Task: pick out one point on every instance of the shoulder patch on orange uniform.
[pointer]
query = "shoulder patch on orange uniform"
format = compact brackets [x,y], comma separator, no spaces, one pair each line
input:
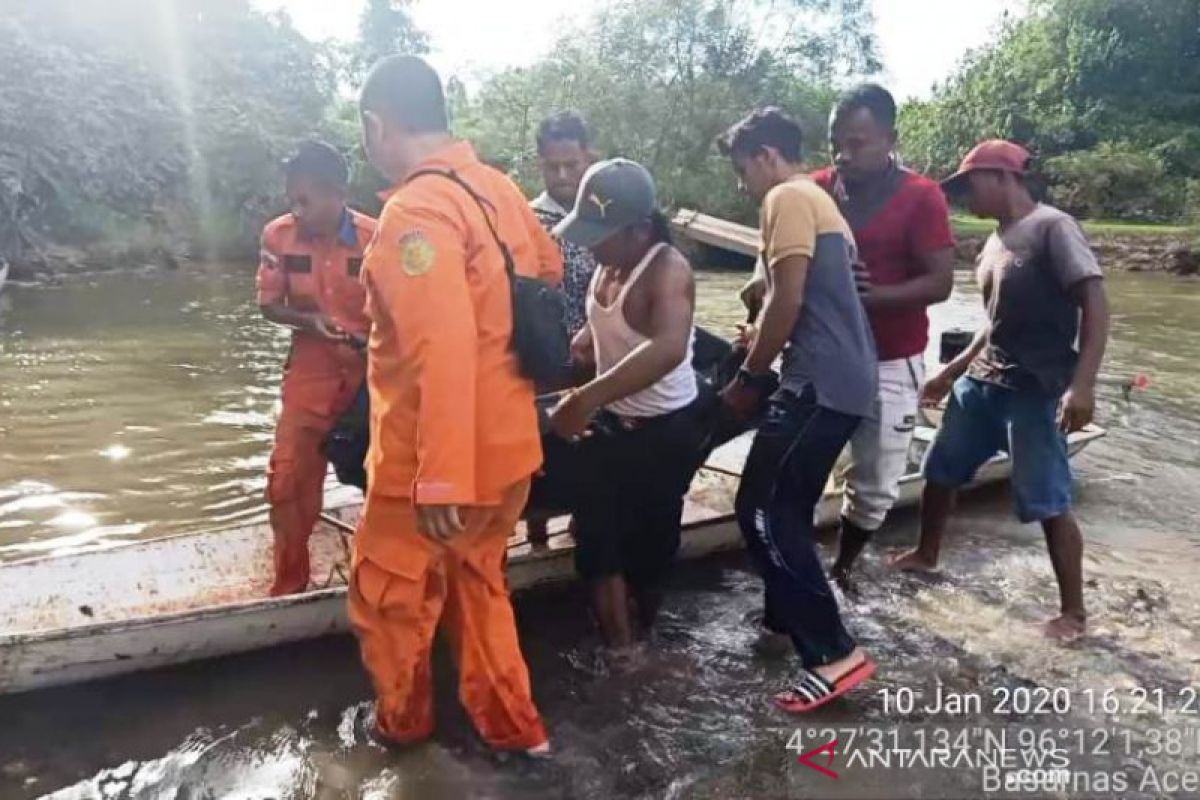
[417,253]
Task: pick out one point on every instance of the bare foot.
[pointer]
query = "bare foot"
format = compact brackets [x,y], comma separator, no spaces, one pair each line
[914,561]
[1066,628]
[627,659]
[831,672]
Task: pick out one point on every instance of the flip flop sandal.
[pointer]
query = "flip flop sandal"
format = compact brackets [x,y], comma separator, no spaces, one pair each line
[812,691]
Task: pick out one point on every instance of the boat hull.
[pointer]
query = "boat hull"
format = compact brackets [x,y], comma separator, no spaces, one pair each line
[93,615]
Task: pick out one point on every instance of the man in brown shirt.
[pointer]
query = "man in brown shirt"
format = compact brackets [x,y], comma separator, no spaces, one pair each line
[1022,385]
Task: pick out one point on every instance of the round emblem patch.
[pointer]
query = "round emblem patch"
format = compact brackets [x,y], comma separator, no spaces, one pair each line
[416,254]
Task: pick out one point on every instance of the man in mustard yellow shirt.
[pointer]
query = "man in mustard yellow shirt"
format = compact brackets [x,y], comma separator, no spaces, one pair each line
[813,317]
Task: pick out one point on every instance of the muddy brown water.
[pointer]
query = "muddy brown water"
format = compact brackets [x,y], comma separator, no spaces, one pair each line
[141,405]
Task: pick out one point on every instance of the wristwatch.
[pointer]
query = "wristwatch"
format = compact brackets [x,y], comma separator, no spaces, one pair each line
[758,383]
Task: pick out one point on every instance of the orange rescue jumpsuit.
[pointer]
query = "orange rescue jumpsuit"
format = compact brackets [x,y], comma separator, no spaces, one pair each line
[452,423]
[320,379]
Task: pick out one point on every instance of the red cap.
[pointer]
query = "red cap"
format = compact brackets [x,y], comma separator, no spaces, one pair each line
[994,154]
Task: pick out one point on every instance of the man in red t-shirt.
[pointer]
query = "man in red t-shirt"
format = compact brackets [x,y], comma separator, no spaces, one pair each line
[901,223]
[902,226]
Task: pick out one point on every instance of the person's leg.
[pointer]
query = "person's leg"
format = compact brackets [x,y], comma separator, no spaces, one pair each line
[1065,543]
[681,445]
[313,470]
[972,431]
[937,503]
[878,460]
[788,466]
[295,489]
[494,684]
[760,473]
[650,552]
[395,617]
[808,606]
[1041,481]
[611,602]
[600,526]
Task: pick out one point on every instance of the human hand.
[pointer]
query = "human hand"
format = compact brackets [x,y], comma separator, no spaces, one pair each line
[937,387]
[862,279]
[326,328]
[571,417]
[439,521]
[741,399]
[746,334]
[1077,409]
[753,294]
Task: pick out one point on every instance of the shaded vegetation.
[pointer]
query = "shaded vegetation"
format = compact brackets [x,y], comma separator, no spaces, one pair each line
[1105,92]
[134,132]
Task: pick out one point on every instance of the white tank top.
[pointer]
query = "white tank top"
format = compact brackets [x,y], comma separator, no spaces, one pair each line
[614,338]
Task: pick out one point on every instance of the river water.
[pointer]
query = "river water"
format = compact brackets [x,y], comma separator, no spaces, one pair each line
[141,405]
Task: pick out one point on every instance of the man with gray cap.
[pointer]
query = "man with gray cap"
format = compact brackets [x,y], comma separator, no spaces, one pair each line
[644,399]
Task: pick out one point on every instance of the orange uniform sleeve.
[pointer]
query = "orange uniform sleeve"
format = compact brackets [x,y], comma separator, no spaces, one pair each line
[271,280]
[428,302]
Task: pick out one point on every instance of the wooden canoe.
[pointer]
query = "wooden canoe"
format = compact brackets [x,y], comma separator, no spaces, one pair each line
[90,615]
[716,232]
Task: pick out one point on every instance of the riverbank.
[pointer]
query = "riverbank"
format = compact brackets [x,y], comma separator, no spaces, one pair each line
[1120,246]
[132,247]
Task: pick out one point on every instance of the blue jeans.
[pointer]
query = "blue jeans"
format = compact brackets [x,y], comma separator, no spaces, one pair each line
[793,453]
[983,419]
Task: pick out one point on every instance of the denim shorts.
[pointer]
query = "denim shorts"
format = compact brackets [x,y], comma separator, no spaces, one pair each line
[983,419]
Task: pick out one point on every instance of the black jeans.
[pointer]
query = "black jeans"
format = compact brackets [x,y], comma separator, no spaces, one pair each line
[625,487]
[793,453]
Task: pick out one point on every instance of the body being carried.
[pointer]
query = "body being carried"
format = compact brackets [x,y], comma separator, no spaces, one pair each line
[627,443]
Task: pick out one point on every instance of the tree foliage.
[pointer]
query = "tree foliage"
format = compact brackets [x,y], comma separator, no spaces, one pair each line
[168,120]
[385,28]
[1111,78]
[659,80]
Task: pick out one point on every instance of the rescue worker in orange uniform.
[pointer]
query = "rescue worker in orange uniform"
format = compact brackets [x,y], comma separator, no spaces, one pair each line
[308,280]
[454,435]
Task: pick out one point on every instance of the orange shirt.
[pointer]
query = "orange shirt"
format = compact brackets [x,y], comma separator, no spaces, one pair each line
[452,419]
[318,275]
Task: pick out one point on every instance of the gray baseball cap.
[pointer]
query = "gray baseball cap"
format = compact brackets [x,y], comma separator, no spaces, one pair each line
[613,195]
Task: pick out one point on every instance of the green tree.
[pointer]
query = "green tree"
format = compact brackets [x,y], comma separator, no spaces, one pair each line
[1071,76]
[385,28]
[166,123]
[659,80]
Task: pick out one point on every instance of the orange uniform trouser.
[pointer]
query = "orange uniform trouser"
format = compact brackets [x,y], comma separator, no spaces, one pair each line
[296,491]
[395,612]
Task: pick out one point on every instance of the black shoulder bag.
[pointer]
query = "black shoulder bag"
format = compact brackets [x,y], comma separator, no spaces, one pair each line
[539,338]
[539,334]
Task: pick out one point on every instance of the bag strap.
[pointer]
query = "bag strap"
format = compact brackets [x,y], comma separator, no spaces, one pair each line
[484,204]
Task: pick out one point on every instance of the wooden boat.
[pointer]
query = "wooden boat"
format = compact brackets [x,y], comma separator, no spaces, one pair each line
[90,615]
[716,232]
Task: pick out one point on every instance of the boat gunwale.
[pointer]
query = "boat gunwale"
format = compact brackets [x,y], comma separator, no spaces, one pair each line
[259,604]
[66,633]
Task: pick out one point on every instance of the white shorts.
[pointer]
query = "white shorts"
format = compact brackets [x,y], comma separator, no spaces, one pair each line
[879,449]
